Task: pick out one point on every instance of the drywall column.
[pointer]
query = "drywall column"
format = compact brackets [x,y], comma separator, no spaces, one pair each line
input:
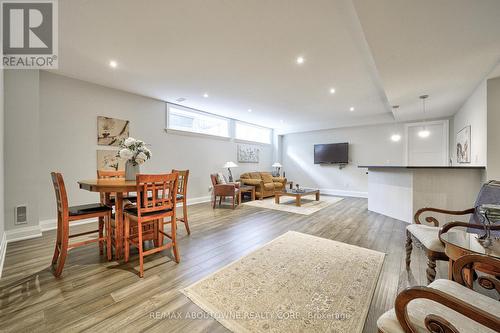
[22,147]
[3,242]
[493,143]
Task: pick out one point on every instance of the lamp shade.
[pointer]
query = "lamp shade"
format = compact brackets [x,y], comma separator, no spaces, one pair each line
[230,164]
[276,165]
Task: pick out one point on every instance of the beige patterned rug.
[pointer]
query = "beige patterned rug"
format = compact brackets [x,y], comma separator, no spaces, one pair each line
[287,204]
[295,283]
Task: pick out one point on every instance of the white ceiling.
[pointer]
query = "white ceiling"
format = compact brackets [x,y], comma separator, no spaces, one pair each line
[375,53]
[441,48]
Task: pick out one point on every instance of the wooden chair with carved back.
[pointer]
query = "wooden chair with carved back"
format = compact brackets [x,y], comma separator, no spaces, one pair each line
[449,306]
[67,214]
[182,196]
[156,200]
[109,199]
[428,235]
[223,190]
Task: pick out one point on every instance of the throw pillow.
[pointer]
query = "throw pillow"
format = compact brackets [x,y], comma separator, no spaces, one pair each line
[221,179]
[266,177]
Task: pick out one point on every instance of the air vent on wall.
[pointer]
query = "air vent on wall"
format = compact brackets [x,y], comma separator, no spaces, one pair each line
[21,214]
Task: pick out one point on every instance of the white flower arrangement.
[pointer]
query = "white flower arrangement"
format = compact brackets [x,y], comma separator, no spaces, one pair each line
[134,151]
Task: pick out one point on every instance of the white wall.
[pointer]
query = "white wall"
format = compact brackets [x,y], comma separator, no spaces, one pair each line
[473,113]
[368,145]
[493,153]
[68,126]
[21,145]
[3,243]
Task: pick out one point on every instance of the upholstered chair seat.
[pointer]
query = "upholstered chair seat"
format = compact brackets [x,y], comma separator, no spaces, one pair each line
[427,236]
[418,309]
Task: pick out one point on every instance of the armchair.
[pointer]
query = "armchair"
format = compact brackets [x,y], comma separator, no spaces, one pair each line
[428,235]
[224,190]
[447,306]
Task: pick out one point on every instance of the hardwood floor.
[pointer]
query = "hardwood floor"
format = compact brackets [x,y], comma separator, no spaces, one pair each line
[96,295]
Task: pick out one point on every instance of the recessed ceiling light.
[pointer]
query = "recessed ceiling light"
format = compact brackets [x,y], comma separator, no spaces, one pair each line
[332,90]
[351,108]
[249,110]
[205,95]
[300,60]
[113,64]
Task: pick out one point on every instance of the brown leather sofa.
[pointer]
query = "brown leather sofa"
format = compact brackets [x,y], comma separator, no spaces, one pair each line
[265,184]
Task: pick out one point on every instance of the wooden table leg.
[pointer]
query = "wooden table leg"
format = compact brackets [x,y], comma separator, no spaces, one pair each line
[277,199]
[317,196]
[450,269]
[253,194]
[297,200]
[119,224]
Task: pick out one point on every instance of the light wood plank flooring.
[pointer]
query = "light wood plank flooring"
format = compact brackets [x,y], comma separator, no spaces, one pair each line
[99,296]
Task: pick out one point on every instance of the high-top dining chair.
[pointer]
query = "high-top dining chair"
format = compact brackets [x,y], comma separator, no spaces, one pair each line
[182,196]
[156,200]
[66,215]
[109,199]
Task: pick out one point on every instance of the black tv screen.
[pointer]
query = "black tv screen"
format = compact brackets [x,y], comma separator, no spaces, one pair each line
[333,153]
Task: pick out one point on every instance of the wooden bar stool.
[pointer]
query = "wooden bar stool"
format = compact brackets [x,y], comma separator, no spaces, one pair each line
[109,200]
[66,214]
[182,196]
[156,200]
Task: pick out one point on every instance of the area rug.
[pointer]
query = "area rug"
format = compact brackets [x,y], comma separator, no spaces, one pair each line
[295,283]
[287,204]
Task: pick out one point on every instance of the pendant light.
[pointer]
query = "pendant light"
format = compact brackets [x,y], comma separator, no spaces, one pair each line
[424,132]
[396,137]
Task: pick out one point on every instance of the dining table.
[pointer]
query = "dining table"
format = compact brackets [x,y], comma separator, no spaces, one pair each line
[115,186]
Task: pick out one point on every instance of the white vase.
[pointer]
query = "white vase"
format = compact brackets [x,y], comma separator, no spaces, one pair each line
[131,170]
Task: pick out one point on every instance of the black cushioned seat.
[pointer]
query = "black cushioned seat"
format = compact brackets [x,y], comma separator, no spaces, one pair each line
[133,211]
[87,209]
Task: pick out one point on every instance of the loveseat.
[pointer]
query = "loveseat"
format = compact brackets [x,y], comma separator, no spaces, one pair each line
[265,184]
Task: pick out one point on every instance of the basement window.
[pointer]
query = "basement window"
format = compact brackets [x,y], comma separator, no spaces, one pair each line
[189,120]
[248,132]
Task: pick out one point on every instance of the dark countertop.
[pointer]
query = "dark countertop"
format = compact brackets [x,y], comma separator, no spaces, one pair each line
[420,167]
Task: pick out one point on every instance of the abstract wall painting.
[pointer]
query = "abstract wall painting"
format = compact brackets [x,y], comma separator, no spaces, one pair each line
[463,145]
[248,154]
[110,131]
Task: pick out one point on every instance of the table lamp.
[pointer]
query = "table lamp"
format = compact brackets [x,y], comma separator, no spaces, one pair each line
[228,166]
[277,165]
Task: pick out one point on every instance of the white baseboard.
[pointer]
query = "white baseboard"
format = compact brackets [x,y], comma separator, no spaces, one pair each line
[198,200]
[23,233]
[356,194]
[3,251]
[51,224]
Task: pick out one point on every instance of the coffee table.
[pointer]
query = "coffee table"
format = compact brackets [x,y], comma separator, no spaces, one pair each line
[296,194]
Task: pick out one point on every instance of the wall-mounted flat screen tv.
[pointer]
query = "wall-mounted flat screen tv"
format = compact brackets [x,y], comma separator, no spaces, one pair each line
[332,153]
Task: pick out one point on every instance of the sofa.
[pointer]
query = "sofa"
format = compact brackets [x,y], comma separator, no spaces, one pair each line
[265,184]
